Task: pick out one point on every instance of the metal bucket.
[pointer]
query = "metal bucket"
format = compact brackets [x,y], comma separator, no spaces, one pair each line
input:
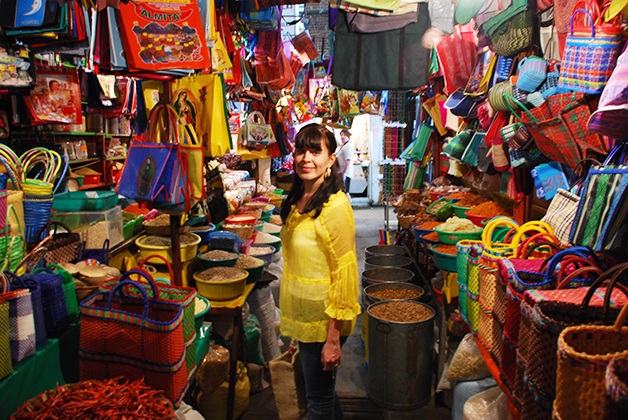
[391,285]
[400,359]
[395,261]
[378,276]
[374,250]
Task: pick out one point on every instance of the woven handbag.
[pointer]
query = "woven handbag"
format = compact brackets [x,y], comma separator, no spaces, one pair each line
[584,352]
[503,69]
[69,289]
[514,35]
[494,249]
[462,258]
[550,86]
[497,95]
[101,255]
[589,59]
[52,299]
[616,388]
[6,366]
[16,283]
[473,291]
[558,127]
[134,337]
[63,247]
[184,296]
[22,324]
[12,247]
[532,73]
[561,213]
[547,319]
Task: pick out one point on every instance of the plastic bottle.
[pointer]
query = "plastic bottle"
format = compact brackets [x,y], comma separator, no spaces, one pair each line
[71,151]
[83,146]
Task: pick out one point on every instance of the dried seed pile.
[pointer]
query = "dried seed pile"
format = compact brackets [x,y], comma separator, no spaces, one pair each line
[401,312]
[219,254]
[260,250]
[161,220]
[155,240]
[219,274]
[396,294]
[246,261]
[438,206]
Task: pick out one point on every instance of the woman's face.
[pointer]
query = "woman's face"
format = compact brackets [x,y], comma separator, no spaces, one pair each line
[311,164]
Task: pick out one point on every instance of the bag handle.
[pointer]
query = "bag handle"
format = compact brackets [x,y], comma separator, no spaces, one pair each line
[12,277]
[11,208]
[56,268]
[56,224]
[487,233]
[592,21]
[529,249]
[142,273]
[161,257]
[258,115]
[534,226]
[118,289]
[520,105]
[613,273]
[552,262]
[563,283]
[575,261]
[169,121]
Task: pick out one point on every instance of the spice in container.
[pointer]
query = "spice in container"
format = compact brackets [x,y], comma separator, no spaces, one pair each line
[220,274]
[490,209]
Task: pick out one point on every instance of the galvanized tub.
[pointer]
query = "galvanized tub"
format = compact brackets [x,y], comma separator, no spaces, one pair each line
[395,261]
[374,250]
[378,276]
[400,361]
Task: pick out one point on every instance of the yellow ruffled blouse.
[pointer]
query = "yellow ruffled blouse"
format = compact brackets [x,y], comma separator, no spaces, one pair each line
[320,276]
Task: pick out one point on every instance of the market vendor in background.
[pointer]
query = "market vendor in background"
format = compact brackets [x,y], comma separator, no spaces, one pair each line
[319,289]
[345,158]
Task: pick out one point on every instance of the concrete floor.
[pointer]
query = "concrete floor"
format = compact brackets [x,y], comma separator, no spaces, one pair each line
[352,379]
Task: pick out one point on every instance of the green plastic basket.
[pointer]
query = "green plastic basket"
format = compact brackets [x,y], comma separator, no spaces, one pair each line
[444,211]
[85,201]
[452,238]
[444,261]
[460,211]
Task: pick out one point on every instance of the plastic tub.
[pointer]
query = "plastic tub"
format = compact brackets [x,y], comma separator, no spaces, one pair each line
[188,252]
[203,232]
[200,317]
[221,290]
[476,219]
[452,238]
[268,257]
[268,239]
[256,273]
[444,261]
[211,262]
[461,211]
[85,201]
[444,211]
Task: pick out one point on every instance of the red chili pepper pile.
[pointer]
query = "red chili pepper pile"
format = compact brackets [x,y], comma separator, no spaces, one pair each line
[104,400]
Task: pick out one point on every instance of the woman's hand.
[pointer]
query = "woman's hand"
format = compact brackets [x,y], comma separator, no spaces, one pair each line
[332,352]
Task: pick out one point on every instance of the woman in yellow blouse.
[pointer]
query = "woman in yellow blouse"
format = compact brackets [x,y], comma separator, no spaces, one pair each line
[319,289]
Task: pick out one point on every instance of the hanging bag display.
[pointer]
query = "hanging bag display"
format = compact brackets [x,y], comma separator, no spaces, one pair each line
[192,151]
[558,127]
[561,213]
[255,132]
[589,60]
[154,170]
[157,36]
[514,35]
[133,337]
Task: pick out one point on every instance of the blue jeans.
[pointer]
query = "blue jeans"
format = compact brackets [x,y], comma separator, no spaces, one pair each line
[320,386]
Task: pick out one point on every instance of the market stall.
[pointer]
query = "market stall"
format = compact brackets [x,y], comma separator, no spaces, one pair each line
[148,154]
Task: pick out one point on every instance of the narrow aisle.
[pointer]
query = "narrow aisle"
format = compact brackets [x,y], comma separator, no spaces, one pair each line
[352,379]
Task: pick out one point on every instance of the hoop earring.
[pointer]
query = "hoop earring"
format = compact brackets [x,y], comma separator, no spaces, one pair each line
[327,173]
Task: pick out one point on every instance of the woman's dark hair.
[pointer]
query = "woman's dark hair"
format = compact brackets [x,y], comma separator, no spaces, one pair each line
[312,136]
